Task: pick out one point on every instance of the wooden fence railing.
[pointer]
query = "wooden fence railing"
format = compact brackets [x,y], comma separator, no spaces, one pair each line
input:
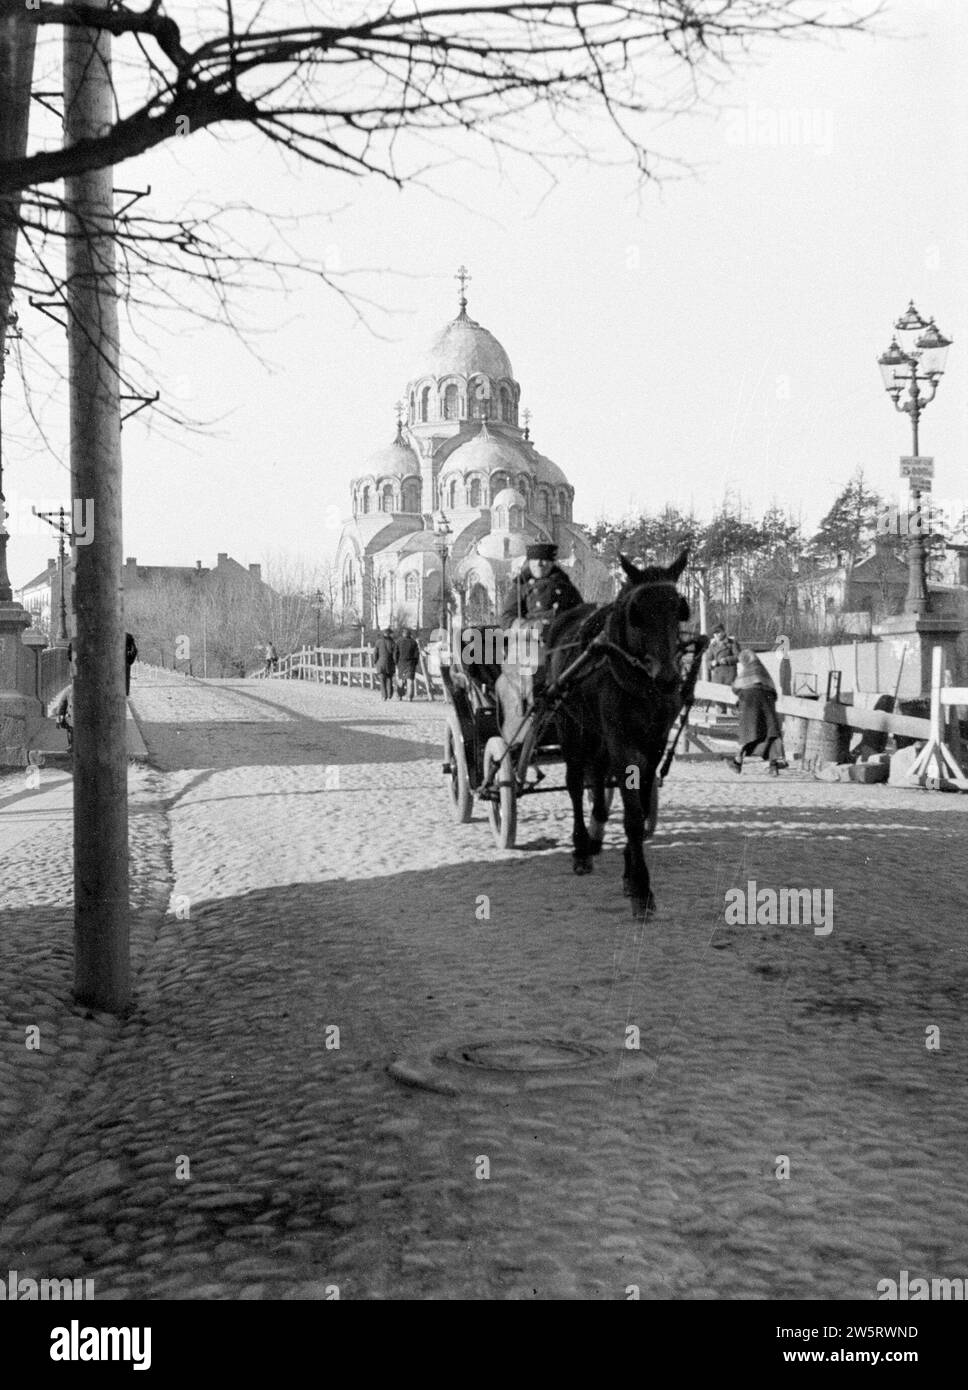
[935,765]
[343,666]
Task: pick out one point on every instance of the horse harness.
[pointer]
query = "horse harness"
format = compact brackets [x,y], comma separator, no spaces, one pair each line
[603,650]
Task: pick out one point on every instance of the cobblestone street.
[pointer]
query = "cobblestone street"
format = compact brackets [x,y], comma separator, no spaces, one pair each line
[481,1130]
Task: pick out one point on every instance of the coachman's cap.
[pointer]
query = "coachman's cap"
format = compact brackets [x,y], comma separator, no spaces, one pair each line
[541,550]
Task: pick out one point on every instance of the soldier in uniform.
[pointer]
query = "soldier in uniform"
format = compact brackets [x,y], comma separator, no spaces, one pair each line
[541,589]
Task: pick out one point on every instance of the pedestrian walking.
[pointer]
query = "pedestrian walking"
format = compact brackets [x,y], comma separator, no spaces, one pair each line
[64,714]
[130,657]
[385,662]
[723,657]
[272,658]
[759,727]
[408,657]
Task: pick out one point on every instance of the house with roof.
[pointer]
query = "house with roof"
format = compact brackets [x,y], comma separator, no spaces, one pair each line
[462,459]
[41,596]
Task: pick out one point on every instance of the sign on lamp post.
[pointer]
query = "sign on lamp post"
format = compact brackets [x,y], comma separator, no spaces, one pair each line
[919,469]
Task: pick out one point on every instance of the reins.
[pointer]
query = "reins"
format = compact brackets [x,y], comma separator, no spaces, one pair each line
[604,650]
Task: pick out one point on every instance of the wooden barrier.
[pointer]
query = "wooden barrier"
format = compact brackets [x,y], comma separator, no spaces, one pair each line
[350,666]
[935,766]
[879,721]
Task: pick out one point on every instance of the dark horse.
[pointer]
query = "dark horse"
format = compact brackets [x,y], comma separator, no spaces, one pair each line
[616,717]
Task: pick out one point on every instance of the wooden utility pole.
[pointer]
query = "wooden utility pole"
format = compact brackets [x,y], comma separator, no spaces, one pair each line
[101,964]
[18,40]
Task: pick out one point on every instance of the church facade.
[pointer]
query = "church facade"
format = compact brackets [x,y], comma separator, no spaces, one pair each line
[453,501]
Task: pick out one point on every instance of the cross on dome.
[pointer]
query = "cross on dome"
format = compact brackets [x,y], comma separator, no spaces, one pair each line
[463,275]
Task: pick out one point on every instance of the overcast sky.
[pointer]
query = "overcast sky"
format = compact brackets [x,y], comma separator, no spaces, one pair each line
[719,332]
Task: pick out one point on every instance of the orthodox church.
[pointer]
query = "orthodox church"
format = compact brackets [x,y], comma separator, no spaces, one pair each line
[457,496]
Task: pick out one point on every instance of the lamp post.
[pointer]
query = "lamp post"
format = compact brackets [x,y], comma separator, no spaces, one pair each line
[58,520]
[443,533]
[8,328]
[318,605]
[36,641]
[915,359]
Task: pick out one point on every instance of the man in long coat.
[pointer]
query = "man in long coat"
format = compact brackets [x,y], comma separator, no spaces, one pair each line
[385,662]
[408,657]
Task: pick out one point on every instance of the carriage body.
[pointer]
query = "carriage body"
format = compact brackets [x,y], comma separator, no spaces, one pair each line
[501,735]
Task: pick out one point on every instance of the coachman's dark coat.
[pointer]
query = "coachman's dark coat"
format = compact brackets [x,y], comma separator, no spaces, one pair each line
[540,598]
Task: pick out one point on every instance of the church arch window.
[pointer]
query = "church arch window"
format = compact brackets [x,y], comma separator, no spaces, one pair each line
[479,607]
[425,404]
[413,407]
[367,500]
[387,498]
[349,586]
[411,495]
[507,407]
[478,398]
[474,495]
[452,493]
[499,481]
[451,401]
[544,507]
[515,519]
[501,518]
[411,588]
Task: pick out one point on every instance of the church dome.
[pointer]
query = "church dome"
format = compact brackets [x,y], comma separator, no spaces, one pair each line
[486,453]
[508,497]
[548,472]
[465,348]
[396,460]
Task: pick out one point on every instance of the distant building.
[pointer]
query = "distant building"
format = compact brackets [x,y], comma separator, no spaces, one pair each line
[852,597]
[41,595]
[460,450]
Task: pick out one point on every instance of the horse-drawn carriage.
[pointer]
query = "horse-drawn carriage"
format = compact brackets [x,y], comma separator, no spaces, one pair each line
[501,736]
[603,705]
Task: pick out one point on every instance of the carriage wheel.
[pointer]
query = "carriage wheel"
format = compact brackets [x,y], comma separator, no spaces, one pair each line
[503,811]
[652,818]
[458,781]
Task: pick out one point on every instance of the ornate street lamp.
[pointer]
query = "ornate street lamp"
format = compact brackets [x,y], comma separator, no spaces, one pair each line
[443,534]
[915,358]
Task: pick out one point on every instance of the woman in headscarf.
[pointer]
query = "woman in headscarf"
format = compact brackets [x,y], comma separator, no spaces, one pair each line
[759,728]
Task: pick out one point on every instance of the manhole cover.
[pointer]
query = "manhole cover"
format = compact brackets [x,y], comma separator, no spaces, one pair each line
[522,1055]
